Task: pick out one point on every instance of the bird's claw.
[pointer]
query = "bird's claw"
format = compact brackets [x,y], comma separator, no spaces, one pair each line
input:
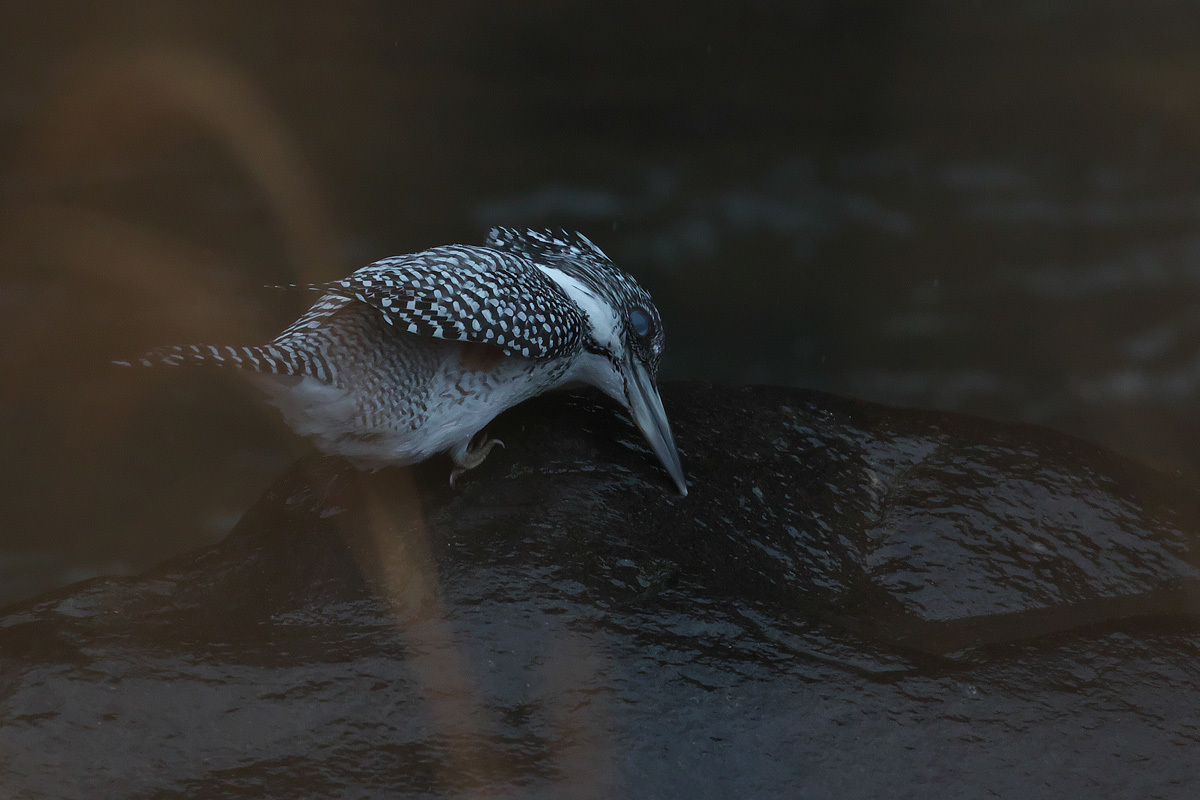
[472,456]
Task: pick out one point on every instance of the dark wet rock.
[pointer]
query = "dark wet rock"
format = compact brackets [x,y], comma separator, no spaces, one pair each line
[854,601]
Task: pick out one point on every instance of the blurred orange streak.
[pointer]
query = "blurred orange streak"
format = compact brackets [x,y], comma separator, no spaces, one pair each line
[393,553]
[112,101]
[160,272]
[575,676]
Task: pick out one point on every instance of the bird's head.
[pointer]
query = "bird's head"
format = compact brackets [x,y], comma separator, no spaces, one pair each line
[623,351]
[623,343]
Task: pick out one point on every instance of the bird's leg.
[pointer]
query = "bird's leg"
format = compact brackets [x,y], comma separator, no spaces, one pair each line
[471,453]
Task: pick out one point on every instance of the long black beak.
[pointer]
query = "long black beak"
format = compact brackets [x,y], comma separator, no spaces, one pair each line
[645,406]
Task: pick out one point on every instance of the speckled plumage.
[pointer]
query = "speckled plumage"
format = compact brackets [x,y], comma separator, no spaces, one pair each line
[413,355]
[471,294]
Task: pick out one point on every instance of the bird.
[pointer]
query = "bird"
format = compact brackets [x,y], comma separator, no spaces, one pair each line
[414,355]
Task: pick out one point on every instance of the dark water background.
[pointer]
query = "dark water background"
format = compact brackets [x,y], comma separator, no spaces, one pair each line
[990,208]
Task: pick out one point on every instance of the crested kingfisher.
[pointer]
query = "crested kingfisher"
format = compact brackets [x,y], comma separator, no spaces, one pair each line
[414,355]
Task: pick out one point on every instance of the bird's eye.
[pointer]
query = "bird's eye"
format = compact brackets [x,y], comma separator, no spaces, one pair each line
[640,322]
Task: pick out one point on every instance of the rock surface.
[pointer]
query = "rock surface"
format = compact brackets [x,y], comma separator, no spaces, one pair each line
[853,601]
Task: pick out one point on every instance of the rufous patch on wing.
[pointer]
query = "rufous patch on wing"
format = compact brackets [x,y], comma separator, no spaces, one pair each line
[480,357]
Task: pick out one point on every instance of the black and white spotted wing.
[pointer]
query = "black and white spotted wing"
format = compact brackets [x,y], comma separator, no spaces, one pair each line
[469,294]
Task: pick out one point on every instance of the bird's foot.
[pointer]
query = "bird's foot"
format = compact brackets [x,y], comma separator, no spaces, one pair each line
[472,454]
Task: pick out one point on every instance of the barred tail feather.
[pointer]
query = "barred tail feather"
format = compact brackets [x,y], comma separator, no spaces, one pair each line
[273,359]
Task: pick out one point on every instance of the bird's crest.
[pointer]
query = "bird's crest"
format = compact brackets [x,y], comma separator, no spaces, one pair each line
[546,245]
